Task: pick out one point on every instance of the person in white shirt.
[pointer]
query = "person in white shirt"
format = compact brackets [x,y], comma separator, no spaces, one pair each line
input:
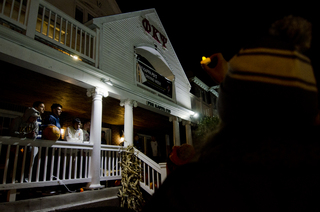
[74,133]
[155,149]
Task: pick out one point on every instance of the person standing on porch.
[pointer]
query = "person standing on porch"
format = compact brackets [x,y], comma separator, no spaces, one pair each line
[56,110]
[25,126]
[137,143]
[74,133]
[155,153]
[86,129]
[52,119]
[40,107]
[103,137]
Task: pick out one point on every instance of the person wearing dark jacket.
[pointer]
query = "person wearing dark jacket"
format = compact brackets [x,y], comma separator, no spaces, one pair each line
[266,154]
[56,110]
[26,126]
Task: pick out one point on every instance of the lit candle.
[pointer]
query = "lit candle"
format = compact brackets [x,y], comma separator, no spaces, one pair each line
[205,61]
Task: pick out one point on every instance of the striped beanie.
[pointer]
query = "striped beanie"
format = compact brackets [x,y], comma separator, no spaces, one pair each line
[269,84]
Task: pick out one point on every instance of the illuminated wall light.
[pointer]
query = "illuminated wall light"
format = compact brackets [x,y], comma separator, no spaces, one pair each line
[107,81]
[121,136]
[121,140]
[193,114]
[62,133]
[74,57]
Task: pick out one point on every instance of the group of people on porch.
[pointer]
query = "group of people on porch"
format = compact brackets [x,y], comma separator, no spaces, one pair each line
[32,124]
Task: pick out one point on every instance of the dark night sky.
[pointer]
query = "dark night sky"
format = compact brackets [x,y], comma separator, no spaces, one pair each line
[206,27]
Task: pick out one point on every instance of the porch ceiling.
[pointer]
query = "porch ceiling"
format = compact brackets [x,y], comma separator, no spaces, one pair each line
[22,87]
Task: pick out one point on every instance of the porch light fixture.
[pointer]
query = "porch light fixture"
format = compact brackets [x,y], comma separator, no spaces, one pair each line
[62,132]
[122,140]
[107,81]
[193,114]
[74,57]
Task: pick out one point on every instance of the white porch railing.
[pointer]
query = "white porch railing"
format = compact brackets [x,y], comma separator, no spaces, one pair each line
[153,174]
[15,12]
[55,26]
[25,163]
[110,162]
[44,22]
[201,107]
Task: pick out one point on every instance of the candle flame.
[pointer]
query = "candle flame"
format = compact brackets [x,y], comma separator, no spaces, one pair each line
[205,60]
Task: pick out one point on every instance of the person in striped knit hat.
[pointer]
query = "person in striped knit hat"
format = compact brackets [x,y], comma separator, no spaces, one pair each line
[268,139]
[266,154]
[270,83]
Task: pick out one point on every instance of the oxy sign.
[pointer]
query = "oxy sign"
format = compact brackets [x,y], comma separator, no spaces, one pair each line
[154,32]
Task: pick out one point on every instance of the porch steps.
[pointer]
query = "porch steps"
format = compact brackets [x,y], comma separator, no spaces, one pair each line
[82,201]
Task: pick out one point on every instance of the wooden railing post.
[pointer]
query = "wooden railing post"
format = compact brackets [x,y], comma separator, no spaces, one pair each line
[11,195]
[97,48]
[163,167]
[32,18]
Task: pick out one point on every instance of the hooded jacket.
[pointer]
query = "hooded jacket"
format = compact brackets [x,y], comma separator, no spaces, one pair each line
[21,125]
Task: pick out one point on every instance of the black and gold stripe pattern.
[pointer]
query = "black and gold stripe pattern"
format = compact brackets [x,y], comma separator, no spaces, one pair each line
[273,66]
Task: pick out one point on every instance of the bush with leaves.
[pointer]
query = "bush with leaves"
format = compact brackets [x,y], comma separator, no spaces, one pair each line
[206,126]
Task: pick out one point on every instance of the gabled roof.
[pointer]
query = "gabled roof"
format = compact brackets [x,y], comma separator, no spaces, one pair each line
[205,87]
[169,54]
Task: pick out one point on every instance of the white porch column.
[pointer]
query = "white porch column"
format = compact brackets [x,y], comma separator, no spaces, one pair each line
[187,125]
[128,120]
[176,131]
[95,135]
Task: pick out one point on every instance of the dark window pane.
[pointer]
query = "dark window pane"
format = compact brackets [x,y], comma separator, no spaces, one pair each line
[79,14]
[90,17]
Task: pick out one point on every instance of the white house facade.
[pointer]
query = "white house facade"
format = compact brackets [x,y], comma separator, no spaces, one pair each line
[131,51]
[127,37]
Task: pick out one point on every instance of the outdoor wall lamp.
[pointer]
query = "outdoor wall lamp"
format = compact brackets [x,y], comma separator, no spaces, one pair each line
[62,132]
[193,114]
[74,57]
[107,81]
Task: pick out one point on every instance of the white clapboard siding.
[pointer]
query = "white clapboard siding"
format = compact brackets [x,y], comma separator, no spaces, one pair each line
[121,33]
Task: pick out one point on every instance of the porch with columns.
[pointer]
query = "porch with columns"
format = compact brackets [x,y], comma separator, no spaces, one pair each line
[128,120]
[176,130]
[97,95]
